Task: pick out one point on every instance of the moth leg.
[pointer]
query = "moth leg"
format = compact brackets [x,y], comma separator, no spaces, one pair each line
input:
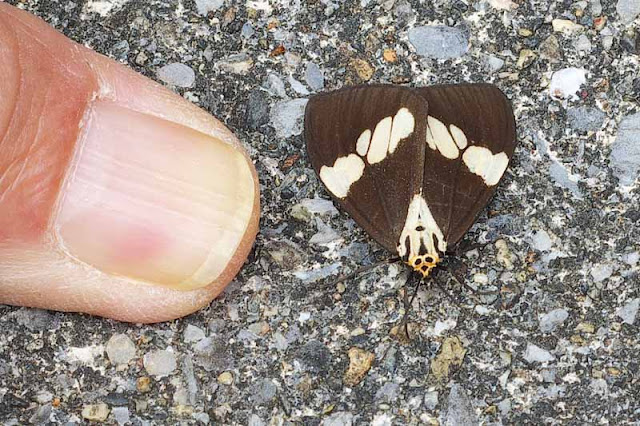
[460,280]
[364,269]
[446,293]
[466,246]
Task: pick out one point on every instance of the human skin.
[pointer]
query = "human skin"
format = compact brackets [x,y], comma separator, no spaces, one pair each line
[118,198]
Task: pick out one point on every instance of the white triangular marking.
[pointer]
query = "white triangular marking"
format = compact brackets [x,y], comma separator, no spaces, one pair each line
[419,217]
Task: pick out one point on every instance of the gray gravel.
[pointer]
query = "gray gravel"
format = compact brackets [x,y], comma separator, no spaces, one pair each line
[557,344]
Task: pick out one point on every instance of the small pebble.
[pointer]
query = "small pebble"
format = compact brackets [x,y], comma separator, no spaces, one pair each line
[239,63]
[431,400]
[160,363]
[206,6]
[120,349]
[314,76]
[449,358]
[177,74]
[601,272]
[95,412]
[551,320]
[459,411]
[263,391]
[439,42]
[41,416]
[535,353]
[225,378]
[566,26]
[628,10]
[585,119]
[193,334]
[583,44]
[121,415]
[525,58]
[629,311]
[340,418]
[494,63]
[360,362]
[363,69]
[287,117]
[389,392]
[549,49]
[625,150]
[143,384]
[390,55]
[202,418]
[566,82]
[541,241]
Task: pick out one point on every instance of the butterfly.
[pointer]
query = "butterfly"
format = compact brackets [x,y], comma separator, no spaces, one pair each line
[414,167]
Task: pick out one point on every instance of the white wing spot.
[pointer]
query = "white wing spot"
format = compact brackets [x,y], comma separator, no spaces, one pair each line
[344,173]
[441,137]
[421,228]
[458,136]
[362,146]
[380,141]
[430,141]
[403,125]
[482,162]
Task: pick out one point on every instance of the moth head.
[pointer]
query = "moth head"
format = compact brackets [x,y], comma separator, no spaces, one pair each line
[423,263]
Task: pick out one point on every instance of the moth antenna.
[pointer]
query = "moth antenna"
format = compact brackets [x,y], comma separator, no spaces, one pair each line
[408,303]
[365,269]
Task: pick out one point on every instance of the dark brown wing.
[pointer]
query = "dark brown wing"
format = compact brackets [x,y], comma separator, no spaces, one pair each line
[377,200]
[455,194]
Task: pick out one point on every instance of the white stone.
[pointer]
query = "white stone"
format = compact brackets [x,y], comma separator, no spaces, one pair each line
[120,349]
[193,334]
[549,321]
[566,82]
[96,412]
[287,117]
[160,363]
[566,26]
[541,241]
[629,311]
[601,272]
[206,6]
[177,74]
[503,4]
[535,353]
[121,415]
[628,10]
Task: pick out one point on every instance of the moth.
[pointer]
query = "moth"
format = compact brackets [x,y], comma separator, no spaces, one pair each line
[414,167]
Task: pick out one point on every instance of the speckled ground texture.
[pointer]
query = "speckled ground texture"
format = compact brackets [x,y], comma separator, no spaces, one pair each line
[557,343]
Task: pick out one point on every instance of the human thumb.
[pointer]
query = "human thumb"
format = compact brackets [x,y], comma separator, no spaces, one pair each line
[117,197]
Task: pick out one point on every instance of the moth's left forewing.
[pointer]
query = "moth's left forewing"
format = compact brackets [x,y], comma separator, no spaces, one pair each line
[366,144]
[471,138]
